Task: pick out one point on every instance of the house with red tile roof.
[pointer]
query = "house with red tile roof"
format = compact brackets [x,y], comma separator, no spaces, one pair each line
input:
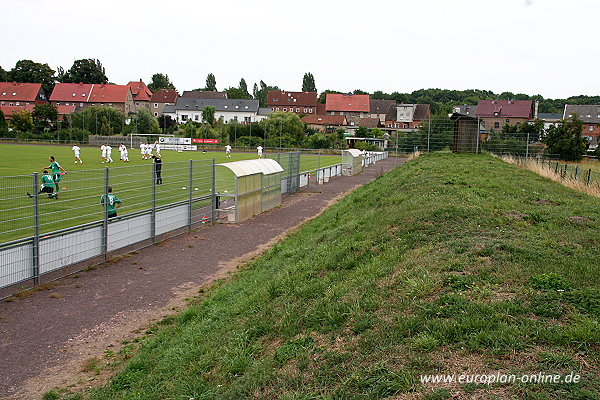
[13,94]
[295,102]
[497,113]
[324,123]
[349,105]
[83,95]
[141,94]
[162,98]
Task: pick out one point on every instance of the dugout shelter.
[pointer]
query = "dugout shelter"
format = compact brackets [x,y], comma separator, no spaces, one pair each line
[257,189]
[352,162]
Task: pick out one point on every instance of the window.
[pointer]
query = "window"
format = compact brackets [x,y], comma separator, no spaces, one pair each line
[284,109]
[155,105]
[1,104]
[156,114]
[297,110]
[591,128]
[137,104]
[341,113]
[496,124]
[304,110]
[277,109]
[80,104]
[184,117]
[272,108]
[11,104]
[275,99]
[507,121]
[310,110]
[196,118]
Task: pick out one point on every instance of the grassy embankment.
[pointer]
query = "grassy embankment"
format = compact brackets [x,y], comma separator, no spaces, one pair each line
[448,265]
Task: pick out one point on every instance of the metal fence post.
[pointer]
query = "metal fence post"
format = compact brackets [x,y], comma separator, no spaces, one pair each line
[428,133]
[36,231]
[576,172]
[589,176]
[477,137]
[105,217]
[153,212]
[213,190]
[190,197]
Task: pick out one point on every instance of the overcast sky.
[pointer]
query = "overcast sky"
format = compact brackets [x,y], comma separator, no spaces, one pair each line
[542,47]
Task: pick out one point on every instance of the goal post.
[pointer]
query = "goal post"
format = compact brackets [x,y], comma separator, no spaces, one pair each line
[131,135]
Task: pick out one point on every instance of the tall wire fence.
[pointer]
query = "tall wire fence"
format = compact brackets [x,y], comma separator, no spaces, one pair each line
[43,232]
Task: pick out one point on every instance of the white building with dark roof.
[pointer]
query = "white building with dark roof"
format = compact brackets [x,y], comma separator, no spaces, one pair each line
[188,109]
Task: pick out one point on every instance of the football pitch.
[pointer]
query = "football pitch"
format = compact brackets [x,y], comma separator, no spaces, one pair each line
[82,186]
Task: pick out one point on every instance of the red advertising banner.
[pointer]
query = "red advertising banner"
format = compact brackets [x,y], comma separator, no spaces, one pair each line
[205,140]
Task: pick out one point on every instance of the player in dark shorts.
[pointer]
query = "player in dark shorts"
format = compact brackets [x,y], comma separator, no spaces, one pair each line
[56,174]
[158,169]
[47,186]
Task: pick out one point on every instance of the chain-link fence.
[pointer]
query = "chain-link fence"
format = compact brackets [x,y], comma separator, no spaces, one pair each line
[48,229]
[466,135]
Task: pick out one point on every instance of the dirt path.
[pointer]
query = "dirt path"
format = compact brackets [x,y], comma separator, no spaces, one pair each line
[46,338]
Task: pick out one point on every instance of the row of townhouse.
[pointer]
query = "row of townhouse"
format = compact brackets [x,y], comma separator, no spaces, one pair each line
[494,114]
[349,110]
[69,97]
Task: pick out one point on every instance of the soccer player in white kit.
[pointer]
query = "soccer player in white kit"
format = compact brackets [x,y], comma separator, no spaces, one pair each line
[108,153]
[228,151]
[157,148]
[143,150]
[259,149]
[124,153]
[103,149]
[76,149]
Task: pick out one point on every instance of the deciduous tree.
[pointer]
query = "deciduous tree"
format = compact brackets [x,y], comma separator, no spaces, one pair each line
[32,72]
[3,75]
[3,124]
[160,81]
[45,116]
[565,139]
[22,121]
[208,115]
[87,70]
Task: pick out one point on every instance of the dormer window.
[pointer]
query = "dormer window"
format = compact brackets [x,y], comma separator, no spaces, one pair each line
[74,94]
[274,98]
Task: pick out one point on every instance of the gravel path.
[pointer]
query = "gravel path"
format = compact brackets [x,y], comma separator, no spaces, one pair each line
[46,338]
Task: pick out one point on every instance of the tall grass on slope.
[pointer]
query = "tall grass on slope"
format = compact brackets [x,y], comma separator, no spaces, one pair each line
[592,189]
[451,264]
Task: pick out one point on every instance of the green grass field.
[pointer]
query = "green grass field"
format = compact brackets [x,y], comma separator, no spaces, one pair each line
[450,264]
[82,186]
